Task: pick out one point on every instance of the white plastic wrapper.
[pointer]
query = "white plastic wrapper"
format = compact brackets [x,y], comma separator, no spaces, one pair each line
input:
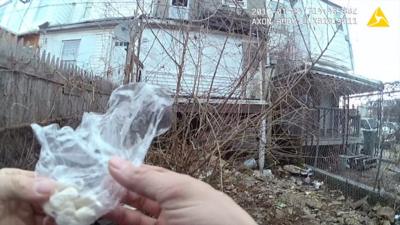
[78,159]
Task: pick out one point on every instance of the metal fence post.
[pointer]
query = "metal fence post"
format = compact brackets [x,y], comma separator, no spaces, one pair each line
[380,109]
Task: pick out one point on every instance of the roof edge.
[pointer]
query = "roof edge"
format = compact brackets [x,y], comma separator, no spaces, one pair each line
[378,85]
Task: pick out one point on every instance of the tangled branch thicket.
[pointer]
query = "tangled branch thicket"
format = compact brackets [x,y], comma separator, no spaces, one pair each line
[206,139]
[203,140]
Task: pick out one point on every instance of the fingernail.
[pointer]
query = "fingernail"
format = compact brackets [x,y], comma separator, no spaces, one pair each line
[44,187]
[117,163]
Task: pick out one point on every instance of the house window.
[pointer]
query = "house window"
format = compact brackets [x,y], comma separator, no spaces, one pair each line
[183,3]
[70,51]
[235,3]
[121,43]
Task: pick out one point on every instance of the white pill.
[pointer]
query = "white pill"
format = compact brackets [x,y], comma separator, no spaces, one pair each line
[85,215]
[68,210]
[49,209]
[60,198]
[84,201]
[66,220]
[68,205]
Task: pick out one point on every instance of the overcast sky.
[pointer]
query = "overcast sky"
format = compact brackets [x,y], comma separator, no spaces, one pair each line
[376,50]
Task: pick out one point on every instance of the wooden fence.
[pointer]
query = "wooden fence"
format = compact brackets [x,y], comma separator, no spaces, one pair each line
[35,86]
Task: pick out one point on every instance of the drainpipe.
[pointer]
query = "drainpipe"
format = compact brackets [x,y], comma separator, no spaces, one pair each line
[263,127]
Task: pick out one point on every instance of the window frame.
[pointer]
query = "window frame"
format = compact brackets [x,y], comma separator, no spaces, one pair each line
[231,3]
[76,53]
[121,44]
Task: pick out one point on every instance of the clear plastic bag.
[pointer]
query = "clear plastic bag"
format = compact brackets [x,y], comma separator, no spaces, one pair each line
[78,159]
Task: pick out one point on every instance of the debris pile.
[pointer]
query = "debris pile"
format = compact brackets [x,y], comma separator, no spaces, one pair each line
[282,198]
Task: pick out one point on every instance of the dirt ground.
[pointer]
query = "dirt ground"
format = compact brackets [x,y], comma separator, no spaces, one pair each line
[285,199]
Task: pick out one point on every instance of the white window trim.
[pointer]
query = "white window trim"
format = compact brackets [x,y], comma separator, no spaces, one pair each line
[231,4]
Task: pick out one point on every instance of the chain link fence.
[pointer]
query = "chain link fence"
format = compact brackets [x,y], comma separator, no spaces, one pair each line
[364,159]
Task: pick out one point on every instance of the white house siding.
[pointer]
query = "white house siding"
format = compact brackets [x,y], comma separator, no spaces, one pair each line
[161,47]
[338,54]
[285,39]
[21,18]
[316,31]
[94,49]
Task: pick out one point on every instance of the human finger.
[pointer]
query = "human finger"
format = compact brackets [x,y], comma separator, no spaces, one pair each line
[48,221]
[155,168]
[43,220]
[154,184]
[142,203]
[125,216]
[13,172]
[18,184]
[39,220]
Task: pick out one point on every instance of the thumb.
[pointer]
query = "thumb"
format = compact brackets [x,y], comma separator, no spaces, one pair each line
[18,184]
[152,182]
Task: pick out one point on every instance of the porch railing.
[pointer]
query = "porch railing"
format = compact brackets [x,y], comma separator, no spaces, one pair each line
[337,122]
[322,122]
